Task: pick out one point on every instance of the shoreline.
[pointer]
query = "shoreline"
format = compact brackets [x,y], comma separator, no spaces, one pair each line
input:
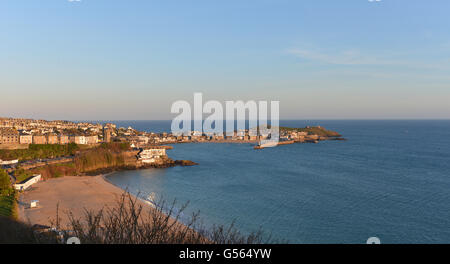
[71,194]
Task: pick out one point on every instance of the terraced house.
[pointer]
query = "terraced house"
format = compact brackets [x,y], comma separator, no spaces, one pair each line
[52,138]
[63,139]
[26,139]
[39,139]
[9,136]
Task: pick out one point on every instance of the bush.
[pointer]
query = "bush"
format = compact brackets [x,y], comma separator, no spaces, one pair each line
[5,182]
[14,232]
[129,223]
[7,196]
[22,174]
[116,146]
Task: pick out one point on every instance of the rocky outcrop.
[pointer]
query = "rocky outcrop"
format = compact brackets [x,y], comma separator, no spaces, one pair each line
[185,163]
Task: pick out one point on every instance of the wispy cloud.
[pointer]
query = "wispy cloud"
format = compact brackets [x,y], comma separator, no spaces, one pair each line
[349,57]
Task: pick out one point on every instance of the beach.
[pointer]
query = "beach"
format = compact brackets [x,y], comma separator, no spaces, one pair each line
[74,194]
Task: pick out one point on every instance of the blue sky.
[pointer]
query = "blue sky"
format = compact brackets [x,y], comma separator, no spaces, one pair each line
[322,59]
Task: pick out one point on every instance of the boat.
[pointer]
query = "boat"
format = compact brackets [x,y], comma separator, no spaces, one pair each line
[270,144]
[266,144]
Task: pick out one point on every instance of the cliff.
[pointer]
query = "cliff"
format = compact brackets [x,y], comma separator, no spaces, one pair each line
[103,159]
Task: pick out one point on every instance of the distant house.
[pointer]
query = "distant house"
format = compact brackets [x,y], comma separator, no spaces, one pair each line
[151,155]
[91,140]
[143,139]
[81,140]
[9,136]
[52,138]
[302,134]
[63,139]
[25,139]
[39,139]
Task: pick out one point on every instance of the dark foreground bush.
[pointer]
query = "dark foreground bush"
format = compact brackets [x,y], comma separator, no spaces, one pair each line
[130,223]
[14,232]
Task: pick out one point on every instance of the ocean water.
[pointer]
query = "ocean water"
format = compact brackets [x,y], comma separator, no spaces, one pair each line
[391,179]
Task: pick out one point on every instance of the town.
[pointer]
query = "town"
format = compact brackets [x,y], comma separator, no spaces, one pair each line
[19,133]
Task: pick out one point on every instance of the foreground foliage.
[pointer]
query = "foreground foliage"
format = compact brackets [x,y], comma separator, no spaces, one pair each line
[129,223]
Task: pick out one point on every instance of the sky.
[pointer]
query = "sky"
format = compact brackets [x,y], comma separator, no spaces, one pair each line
[130,60]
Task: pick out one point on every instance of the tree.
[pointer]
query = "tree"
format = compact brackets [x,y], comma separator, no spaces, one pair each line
[5,182]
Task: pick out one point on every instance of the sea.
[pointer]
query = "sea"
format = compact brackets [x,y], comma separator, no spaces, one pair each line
[390,180]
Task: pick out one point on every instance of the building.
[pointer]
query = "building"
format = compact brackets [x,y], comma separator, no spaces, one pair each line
[26,139]
[39,139]
[27,184]
[8,162]
[142,139]
[110,126]
[106,135]
[52,138]
[63,139]
[90,140]
[9,136]
[151,155]
[81,140]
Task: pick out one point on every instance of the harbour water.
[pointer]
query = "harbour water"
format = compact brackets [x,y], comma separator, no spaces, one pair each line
[391,179]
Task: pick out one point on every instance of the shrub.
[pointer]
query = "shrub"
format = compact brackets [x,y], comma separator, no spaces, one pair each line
[129,223]
[5,182]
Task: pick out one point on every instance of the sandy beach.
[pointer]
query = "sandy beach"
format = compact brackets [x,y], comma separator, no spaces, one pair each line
[73,194]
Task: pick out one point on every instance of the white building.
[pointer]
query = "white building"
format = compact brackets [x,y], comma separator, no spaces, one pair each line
[151,155]
[23,186]
[80,140]
[90,140]
[8,162]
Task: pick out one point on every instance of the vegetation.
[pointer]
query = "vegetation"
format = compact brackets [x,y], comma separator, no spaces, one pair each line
[5,182]
[39,152]
[21,174]
[7,205]
[15,232]
[55,170]
[320,131]
[7,196]
[116,147]
[106,156]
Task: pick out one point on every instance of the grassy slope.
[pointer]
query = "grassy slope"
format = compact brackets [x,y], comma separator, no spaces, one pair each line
[39,152]
[8,206]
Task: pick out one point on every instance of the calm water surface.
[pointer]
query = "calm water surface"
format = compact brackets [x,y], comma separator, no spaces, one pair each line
[391,179]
